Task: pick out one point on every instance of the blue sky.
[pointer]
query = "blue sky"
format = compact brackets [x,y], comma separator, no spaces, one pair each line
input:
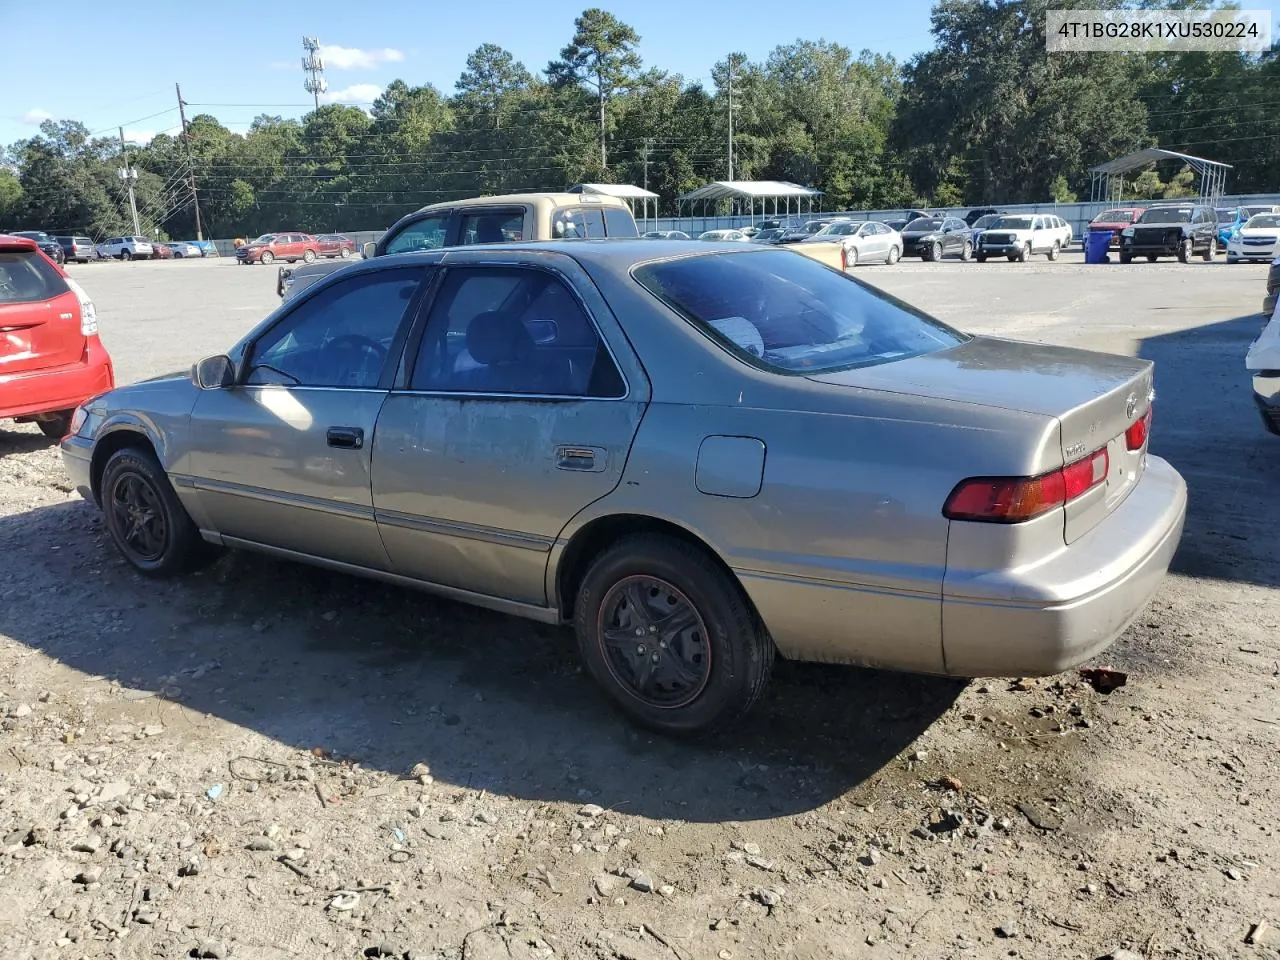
[250,54]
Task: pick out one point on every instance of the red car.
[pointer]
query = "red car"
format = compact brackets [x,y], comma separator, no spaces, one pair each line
[280,246]
[336,245]
[51,359]
[1115,220]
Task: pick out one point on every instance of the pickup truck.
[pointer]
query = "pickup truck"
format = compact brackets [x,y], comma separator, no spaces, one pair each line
[521,216]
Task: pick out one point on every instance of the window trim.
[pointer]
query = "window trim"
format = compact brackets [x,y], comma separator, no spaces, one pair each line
[413,345]
[386,378]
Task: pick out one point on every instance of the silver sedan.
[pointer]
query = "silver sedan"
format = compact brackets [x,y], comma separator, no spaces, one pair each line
[863,241]
[699,455]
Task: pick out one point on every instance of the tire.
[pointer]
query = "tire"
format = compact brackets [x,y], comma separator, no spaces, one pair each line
[851,257]
[126,255]
[727,653]
[1126,257]
[966,253]
[1012,258]
[935,252]
[1231,259]
[266,257]
[981,258]
[345,253]
[1054,250]
[58,426]
[895,254]
[1185,251]
[133,477]
[1211,251]
[308,256]
[1152,258]
[1024,253]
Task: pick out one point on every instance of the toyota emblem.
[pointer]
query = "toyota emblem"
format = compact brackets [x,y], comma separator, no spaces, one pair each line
[1130,406]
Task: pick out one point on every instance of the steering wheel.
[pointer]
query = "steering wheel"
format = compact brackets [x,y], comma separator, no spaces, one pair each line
[357,342]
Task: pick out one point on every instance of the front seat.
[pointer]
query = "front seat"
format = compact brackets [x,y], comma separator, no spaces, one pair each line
[488,230]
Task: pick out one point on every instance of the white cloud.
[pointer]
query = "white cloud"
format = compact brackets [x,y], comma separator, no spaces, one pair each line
[356,93]
[35,116]
[142,137]
[353,58]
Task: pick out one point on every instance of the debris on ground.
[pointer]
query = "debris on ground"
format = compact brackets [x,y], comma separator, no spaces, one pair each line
[1103,679]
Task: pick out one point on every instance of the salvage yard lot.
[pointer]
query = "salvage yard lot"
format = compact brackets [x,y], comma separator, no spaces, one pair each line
[259,724]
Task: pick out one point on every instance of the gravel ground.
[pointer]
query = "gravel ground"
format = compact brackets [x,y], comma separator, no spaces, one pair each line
[270,761]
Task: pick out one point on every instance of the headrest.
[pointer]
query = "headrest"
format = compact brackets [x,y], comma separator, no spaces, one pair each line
[489,230]
[498,338]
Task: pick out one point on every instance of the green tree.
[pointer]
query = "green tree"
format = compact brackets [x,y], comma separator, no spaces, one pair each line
[602,58]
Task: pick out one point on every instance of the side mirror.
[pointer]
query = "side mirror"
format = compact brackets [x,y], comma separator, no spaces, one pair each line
[214,373]
[368,250]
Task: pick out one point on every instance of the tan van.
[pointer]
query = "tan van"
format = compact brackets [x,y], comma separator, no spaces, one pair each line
[499,219]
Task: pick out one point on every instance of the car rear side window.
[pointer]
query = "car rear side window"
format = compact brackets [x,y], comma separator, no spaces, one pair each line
[619,222]
[26,277]
[790,314]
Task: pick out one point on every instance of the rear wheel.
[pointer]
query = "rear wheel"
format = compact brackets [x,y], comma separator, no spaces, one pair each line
[308,256]
[267,257]
[57,425]
[345,253]
[1212,250]
[126,255]
[1054,250]
[147,522]
[670,636]
[966,254]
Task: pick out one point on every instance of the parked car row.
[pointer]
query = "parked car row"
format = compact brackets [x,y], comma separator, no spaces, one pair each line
[292,247]
[1187,229]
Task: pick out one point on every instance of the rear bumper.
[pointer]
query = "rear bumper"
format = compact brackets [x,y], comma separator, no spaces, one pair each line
[54,389]
[1044,619]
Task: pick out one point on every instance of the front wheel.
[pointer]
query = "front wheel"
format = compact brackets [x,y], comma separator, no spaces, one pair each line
[1024,253]
[894,255]
[147,522]
[966,254]
[1054,250]
[850,257]
[670,636]
[935,252]
[267,257]
[981,258]
[1184,251]
[1231,259]
[1212,250]
[1126,257]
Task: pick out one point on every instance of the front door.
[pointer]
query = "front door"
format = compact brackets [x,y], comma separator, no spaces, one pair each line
[283,458]
[514,419]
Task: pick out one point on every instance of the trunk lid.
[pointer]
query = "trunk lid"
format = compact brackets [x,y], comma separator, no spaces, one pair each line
[1094,396]
[39,313]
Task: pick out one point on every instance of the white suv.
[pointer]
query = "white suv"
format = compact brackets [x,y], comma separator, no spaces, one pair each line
[1062,227]
[125,248]
[1018,235]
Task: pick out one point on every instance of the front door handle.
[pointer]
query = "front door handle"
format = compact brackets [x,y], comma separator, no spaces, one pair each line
[345,438]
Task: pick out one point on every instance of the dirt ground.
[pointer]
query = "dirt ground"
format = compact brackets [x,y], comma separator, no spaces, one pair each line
[271,761]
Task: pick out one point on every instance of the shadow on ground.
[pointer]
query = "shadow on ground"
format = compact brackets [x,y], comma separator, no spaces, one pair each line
[14,442]
[1206,425]
[393,677]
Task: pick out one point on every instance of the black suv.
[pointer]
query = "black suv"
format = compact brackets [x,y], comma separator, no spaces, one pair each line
[1179,230]
[51,247]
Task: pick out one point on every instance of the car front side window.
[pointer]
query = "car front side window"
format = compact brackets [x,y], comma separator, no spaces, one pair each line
[425,234]
[342,337]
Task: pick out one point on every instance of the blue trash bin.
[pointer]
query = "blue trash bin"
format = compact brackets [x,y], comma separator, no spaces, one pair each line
[1095,246]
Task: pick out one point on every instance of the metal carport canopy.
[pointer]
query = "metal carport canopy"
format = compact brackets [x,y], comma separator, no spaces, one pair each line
[1212,172]
[751,191]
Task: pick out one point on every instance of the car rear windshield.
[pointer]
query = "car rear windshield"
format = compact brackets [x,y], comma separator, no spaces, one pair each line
[27,277]
[1114,216]
[1168,215]
[790,314]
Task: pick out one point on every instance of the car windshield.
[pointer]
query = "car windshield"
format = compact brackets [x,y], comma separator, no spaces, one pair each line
[1114,216]
[1268,221]
[790,314]
[985,221]
[922,224]
[265,238]
[1254,211]
[28,278]
[840,229]
[1167,215]
[1013,223]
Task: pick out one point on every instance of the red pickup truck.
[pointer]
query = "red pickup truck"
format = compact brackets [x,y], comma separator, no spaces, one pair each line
[271,247]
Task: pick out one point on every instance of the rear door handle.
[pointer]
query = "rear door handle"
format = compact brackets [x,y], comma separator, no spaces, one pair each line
[585,459]
[345,438]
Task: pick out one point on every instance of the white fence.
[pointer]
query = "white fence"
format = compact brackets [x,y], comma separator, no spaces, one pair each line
[1076,214]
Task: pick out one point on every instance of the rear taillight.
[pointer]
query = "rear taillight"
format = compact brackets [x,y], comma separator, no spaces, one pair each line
[1015,499]
[88,315]
[1136,436]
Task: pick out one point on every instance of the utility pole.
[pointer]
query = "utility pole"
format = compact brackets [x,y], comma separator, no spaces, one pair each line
[313,66]
[731,117]
[648,144]
[130,176]
[191,170]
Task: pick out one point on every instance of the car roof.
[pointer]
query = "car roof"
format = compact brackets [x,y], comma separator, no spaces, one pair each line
[544,200]
[617,255]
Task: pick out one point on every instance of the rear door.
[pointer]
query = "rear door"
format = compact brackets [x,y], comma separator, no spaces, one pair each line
[39,315]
